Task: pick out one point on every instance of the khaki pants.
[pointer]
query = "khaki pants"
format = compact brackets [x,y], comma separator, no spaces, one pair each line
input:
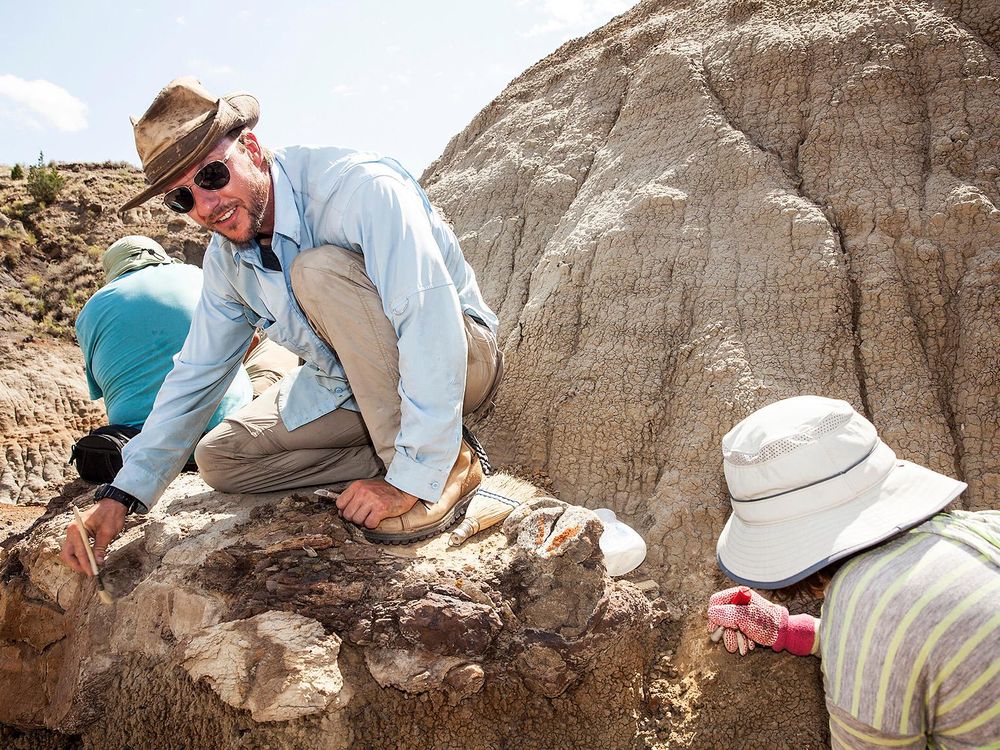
[267,363]
[251,451]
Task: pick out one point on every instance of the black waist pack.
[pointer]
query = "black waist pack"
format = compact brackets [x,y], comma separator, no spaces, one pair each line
[98,455]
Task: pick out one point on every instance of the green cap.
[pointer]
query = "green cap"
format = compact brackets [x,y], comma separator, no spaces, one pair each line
[132,253]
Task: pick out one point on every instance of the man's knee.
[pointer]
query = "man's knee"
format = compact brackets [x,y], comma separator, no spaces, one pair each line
[312,268]
[216,456]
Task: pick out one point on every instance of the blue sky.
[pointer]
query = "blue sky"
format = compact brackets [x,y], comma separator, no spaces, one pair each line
[389,75]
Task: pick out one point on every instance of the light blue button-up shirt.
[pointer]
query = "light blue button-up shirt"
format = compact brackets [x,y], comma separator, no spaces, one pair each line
[359,201]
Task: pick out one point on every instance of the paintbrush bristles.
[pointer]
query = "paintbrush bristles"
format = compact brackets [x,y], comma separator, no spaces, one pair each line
[499,494]
[484,511]
[510,486]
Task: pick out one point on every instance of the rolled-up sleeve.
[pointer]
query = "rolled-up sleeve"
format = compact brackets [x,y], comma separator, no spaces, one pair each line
[202,373]
[386,219]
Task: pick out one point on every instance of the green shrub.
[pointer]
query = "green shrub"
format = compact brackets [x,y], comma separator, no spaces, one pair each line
[22,303]
[44,182]
[48,324]
[10,257]
[17,172]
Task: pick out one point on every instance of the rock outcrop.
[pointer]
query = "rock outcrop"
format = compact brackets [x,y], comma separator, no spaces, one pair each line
[44,408]
[266,621]
[704,207]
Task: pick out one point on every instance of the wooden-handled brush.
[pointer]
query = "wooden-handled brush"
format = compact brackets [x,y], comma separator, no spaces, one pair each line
[493,502]
[102,593]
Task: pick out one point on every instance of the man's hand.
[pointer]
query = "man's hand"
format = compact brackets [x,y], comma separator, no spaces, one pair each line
[367,501]
[104,521]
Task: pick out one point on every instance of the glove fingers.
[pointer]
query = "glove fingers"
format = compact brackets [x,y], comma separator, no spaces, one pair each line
[729,640]
[727,615]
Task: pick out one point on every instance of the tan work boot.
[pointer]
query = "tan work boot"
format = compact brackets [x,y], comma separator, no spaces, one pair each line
[426,519]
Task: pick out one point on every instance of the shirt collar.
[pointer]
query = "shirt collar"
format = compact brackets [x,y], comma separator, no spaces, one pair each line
[286,212]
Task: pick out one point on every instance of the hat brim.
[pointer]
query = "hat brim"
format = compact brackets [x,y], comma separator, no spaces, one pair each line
[235,111]
[773,555]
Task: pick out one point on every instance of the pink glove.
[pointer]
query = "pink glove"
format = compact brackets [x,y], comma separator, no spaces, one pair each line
[741,610]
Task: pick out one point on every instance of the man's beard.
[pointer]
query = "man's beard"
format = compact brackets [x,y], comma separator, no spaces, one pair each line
[256,209]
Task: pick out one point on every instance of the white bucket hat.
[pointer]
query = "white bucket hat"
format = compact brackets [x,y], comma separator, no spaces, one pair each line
[810,483]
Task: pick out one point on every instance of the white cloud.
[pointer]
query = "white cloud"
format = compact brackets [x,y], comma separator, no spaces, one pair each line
[181,20]
[45,101]
[576,15]
[341,89]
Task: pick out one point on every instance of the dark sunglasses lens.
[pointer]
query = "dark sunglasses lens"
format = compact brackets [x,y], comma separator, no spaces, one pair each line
[180,200]
[213,176]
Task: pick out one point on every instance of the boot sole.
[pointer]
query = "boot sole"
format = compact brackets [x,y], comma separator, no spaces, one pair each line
[453,516]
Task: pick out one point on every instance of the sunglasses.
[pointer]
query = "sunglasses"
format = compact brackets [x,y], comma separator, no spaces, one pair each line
[213,176]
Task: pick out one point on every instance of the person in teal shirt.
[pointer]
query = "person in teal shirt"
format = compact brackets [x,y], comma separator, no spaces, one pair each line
[130,330]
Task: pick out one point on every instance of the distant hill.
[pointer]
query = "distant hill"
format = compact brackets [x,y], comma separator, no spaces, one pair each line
[50,255]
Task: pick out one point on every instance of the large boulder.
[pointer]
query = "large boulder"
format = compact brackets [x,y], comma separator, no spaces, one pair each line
[266,621]
[704,207]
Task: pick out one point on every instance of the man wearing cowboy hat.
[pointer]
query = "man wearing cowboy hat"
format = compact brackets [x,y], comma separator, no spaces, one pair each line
[910,626]
[339,255]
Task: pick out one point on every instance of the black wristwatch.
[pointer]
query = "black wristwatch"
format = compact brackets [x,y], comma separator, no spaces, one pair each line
[131,503]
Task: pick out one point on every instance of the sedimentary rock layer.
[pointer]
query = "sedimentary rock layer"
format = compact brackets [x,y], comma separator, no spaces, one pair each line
[44,408]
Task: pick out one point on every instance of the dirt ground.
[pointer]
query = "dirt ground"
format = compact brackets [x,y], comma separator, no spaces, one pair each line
[15,519]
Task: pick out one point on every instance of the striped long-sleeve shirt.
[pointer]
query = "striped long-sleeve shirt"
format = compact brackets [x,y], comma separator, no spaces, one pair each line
[910,639]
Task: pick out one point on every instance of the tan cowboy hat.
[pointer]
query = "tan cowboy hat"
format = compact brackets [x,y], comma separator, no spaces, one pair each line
[181,126]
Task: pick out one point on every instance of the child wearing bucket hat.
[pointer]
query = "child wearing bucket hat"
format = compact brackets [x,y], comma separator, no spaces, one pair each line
[909,632]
